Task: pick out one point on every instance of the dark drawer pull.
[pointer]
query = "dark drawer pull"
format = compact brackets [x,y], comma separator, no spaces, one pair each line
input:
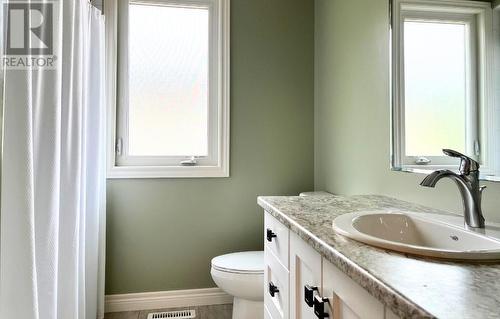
[309,294]
[270,235]
[273,289]
[319,307]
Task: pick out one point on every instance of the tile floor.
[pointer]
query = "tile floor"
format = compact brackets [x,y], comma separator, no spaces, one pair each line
[202,312]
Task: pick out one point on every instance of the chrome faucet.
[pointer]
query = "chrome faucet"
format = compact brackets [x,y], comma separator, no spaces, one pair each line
[468,184]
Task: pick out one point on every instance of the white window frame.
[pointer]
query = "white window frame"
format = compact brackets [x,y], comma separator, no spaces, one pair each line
[123,165]
[477,16]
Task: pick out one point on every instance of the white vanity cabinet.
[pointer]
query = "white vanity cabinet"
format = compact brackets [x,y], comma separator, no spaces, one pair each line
[300,284]
[305,278]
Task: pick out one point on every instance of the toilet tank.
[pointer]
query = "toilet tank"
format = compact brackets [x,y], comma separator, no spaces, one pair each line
[316,193]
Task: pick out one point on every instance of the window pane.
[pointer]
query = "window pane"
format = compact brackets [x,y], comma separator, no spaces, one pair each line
[435,87]
[168,81]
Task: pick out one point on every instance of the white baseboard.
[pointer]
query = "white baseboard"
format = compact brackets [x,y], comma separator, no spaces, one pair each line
[166,299]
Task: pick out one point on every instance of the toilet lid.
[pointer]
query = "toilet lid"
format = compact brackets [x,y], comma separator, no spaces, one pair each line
[243,262]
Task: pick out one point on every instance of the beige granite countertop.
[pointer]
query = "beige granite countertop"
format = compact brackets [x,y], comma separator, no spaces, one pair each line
[411,287]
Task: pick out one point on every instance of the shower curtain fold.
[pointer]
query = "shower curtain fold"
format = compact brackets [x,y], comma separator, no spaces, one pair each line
[53,177]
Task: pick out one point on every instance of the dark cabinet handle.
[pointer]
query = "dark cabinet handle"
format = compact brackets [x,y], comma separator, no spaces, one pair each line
[309,294]
[273,289]
[319,307]
[270,235]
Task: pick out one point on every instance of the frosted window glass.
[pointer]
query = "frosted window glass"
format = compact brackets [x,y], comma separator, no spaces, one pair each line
[168,81]
[435,87]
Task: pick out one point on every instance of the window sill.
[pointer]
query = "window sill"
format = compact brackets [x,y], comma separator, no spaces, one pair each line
[121,172]
[485,173]
[423,169]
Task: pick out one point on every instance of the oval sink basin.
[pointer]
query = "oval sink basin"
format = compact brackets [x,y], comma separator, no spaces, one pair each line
[430,235]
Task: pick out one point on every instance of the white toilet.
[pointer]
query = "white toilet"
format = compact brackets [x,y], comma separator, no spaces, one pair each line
[242,276]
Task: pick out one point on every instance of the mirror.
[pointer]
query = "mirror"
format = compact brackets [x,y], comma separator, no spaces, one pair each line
[445,74]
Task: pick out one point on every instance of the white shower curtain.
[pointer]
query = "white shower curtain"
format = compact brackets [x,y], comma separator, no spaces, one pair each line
[53,177]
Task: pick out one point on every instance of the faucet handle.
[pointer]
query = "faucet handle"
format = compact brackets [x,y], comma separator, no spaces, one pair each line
[467,164]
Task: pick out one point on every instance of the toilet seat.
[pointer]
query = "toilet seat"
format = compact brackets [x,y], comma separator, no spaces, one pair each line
[249,262]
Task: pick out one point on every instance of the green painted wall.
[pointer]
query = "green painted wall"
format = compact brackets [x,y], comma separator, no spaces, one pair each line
[161,234]
[352,119]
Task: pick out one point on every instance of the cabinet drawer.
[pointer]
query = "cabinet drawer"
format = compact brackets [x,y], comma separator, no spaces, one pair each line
[276,238]
[275,276]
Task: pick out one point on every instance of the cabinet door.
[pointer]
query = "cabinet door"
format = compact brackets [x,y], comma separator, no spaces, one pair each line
[276,290]
[305,269]
[267,315]
[347,299]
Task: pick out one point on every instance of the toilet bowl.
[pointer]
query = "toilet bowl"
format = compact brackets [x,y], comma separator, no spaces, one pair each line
[241,275]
